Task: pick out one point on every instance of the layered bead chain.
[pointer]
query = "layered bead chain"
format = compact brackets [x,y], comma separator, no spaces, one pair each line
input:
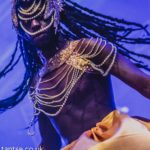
[64,95]
[76,62]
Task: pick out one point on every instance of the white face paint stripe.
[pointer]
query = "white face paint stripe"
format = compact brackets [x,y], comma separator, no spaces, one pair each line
[35,16]
[33,9]
[29,9]
[54,7]
[39,31]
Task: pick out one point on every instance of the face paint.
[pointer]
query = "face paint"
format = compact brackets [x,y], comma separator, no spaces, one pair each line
[47,10]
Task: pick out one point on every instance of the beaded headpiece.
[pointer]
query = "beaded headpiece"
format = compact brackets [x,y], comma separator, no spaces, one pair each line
[48,8]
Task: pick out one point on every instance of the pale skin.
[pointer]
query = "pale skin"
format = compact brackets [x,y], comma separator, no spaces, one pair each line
[90,100]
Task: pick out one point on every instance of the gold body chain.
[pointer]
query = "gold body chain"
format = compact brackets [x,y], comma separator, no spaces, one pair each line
[78,60]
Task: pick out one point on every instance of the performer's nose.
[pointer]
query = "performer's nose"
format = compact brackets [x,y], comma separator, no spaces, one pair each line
[35,25]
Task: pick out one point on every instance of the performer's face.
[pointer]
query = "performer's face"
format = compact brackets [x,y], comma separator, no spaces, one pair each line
[37,29]
[43,37]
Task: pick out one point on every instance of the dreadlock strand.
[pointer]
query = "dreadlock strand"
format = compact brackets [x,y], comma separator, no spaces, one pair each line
[94,19]
[13,100]
[113,32]
[121,21]
[67,34]
[9,65]
[13,65]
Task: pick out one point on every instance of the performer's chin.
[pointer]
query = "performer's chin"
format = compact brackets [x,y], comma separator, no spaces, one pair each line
[41,40]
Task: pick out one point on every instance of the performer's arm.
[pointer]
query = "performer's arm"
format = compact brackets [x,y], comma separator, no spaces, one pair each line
[121,68]
[130,74]
[50,138]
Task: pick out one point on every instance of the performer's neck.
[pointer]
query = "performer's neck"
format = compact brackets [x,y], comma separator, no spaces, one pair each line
[52,47]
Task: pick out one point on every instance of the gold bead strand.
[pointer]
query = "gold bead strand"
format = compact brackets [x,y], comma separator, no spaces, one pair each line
[47,80]
[69,91]
[33,10]
[80,53]
[55,96]
[64,95]
[49,104]
[29,9]
[93,46]
[33,17]
[108,56]
[66,98]
[64,75]
[39,31]
[76,51]
[111,64]
[96,51]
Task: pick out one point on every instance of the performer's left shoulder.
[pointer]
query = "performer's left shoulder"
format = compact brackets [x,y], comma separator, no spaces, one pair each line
[99,41]
[90,45]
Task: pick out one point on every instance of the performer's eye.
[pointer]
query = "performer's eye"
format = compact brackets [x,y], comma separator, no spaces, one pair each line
[26,24]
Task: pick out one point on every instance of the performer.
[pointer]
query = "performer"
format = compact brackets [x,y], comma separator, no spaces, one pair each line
[68,54]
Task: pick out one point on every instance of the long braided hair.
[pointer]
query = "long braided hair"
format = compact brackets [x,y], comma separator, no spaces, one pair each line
[76,22]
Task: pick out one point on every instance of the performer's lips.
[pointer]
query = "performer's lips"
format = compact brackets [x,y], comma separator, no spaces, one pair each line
[40,36]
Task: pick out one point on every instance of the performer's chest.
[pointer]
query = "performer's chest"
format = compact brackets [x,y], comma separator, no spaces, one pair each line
[69,87]
[55,85]
[88,101]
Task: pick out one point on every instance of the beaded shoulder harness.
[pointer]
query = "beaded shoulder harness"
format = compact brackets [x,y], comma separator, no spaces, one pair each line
[79,62]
